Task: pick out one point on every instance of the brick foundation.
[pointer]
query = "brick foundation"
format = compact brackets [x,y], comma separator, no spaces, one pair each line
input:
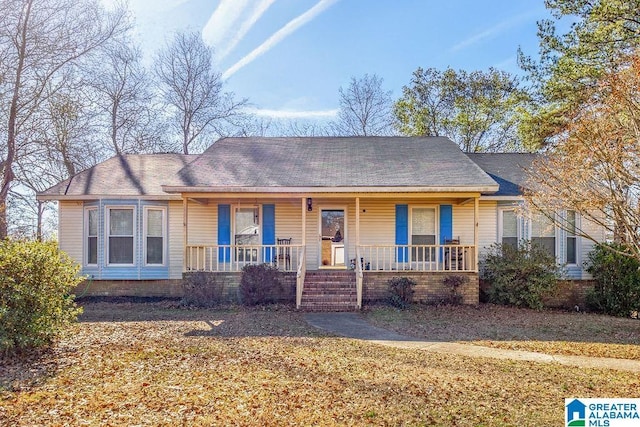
[570,293]
[429,289]
[172,288]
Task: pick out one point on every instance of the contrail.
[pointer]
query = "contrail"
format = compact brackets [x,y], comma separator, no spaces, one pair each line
[279,35]
[228,24]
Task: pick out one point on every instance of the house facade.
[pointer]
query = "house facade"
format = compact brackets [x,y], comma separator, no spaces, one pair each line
[355,211]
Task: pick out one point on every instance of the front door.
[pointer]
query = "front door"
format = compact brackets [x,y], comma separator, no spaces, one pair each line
[333,252]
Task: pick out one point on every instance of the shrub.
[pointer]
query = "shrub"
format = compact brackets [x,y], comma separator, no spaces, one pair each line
[453,283]
[617,276]
[519,276]
[202,289]
[401,291]
[260,284]
[35,304]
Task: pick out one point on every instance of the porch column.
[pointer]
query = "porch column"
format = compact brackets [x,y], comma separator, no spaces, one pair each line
[476,220]
[185,231]
[357,221]
[304,222]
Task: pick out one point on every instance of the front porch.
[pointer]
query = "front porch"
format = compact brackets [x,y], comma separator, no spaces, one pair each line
[367,235]
[377,262]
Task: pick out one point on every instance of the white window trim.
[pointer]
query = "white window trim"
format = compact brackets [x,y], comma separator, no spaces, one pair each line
[436,208]
[85,240]
[578,244]
[436,220]
[107,219]
[145,210]
[501,212]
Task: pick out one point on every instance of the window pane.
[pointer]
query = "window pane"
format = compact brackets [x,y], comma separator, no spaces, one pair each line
[571,223]
[423,221]
[154,223]
[121,222]
[121,250]
[509,224]
[92,255]
[571,250]
[154,250]
[247,228]
[541,226]
[93,222]
[547,243]
[511,241]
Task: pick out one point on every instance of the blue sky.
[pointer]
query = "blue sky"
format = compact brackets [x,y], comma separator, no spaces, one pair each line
[289,57]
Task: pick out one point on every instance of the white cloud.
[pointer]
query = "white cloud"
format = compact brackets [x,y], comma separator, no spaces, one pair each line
[491,32]
[290,114]
[230,22]
[279,35]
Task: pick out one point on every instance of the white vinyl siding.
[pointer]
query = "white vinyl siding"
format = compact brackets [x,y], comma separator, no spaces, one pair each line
[70,234]
[175,240]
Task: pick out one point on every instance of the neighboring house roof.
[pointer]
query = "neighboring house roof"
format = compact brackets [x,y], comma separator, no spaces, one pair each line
[393,163]
[126,175]
[509,170]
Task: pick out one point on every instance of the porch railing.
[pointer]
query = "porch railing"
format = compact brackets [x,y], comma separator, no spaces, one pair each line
[302,271]
[418,257]
[231,258]
[359,278]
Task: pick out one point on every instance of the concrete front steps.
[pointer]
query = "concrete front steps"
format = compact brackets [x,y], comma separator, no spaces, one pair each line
[329,290]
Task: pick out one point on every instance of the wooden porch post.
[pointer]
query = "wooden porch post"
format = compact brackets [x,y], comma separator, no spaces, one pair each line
[185,231]
[357,221]
[304,222]
[476,220]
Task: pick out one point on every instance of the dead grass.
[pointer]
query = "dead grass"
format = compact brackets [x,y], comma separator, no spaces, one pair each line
[161,365]
[553,332]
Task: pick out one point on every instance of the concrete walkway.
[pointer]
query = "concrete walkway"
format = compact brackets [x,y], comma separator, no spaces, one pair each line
[351,325]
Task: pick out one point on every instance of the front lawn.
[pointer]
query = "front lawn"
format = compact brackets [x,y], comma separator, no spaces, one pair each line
[154,364]
[547,331]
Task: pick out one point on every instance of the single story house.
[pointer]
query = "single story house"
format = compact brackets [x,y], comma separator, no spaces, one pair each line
[338,215]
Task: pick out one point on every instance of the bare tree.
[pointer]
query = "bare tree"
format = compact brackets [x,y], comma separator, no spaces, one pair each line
[124,98]
[193,91]
[365,108]
[594,169]
[40,41]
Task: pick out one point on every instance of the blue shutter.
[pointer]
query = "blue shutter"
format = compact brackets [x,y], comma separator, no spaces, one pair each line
[402,231]
[268,230]
[446,223]
[224,232]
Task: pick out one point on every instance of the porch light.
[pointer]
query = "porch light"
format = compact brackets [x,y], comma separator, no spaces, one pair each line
[309,204]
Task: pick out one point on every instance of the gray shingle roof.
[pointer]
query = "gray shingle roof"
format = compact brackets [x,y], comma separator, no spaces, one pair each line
[126,175]
[335,162]
[509,170]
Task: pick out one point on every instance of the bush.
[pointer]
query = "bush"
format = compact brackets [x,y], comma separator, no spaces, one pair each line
[260,284]
[519,276]
[401,291]
[453,283]
[617,276]
[202,289]
[35,304]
